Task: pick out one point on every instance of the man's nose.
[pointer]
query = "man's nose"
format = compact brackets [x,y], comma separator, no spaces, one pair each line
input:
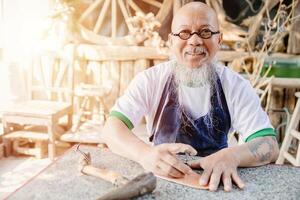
[195,40]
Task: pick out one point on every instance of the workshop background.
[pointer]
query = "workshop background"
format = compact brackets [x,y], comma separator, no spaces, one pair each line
[63,64]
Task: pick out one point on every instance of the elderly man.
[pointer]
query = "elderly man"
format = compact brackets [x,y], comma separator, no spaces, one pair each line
[191,104]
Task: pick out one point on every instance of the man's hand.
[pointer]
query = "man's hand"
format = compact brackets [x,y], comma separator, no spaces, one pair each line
[162,160]
[221,165]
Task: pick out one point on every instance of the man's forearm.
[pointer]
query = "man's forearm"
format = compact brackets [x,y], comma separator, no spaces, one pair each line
[258,151]
[122,141]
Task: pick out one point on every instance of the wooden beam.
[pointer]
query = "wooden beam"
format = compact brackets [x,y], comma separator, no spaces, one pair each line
[286,82]
[228,56]
[164,10]
[128,40]
[154,3]
[135,7]
[101,16]
[114,18]
[55,89]
[119,53]
[125,14]
[89,10]
[282,82]
[294,37]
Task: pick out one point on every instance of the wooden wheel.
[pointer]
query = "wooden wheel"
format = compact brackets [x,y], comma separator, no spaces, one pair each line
[105,21]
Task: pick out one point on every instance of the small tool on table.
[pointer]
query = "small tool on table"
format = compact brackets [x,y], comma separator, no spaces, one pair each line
[126,189]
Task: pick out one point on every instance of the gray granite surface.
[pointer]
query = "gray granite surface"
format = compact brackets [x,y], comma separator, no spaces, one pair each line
[62,180]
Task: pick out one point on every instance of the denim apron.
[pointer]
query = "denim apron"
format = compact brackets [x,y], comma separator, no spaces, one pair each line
[206,134]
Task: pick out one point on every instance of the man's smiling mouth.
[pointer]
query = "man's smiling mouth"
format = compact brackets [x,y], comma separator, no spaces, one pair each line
[199,51]
[195,54]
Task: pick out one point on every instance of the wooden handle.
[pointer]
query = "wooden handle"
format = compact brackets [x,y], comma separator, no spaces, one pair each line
[105,174]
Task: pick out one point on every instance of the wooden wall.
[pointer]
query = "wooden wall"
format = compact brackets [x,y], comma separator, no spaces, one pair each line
[55,77]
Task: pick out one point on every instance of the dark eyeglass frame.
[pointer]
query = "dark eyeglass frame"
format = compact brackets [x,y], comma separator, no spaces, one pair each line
[199,33]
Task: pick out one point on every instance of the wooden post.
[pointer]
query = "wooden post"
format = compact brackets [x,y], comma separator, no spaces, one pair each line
[41,147]
[294,37]
[51,143]
[1,150]
[6,142]
[276,103]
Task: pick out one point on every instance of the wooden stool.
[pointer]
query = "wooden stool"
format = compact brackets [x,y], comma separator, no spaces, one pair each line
[290,134]
[37,113]
[40,141]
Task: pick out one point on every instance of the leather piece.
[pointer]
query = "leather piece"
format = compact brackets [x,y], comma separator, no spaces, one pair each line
[190,180]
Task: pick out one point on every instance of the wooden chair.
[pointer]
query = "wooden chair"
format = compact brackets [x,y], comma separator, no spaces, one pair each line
[292,133]
[92,114]
[50,78]
[92,105]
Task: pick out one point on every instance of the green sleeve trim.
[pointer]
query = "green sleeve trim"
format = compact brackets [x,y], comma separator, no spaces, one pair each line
[262,133]
[123,118]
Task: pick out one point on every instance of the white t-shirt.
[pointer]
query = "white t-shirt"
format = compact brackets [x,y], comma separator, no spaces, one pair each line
[143,95]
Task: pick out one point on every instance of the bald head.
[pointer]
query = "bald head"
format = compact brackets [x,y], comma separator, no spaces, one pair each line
[196,50]
[194,12]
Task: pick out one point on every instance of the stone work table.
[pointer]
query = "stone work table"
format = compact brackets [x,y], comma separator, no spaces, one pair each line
[62,180]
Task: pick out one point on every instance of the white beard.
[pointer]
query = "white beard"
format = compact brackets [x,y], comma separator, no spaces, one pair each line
[195,77]
[205,75]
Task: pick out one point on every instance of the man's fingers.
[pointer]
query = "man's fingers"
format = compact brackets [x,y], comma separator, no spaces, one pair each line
[180,148]
[205,177]
[238,180]
[160,172]
[227,182]
[168,170]
[176,163]
[196,164]
[215,180]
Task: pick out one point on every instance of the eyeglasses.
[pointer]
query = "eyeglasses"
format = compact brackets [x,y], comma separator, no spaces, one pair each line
[204,34]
